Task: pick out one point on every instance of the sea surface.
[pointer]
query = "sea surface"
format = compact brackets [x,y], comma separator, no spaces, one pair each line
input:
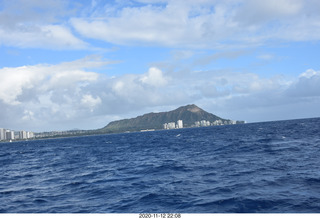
[266,167]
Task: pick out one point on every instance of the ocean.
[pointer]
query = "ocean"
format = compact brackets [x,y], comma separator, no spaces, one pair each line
[270,167]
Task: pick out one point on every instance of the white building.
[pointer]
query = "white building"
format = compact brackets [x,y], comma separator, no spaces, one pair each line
[218,122]
[23,135]
[173,125]
[204,123]
[2,134]
[6,134]
[30,135]
[179,124]
[9,135]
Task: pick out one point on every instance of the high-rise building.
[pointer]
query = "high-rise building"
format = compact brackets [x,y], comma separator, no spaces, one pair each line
[9,135]
[30,135]
[23,135]
[2,134]
[6,134]
[173,125]
[169,125]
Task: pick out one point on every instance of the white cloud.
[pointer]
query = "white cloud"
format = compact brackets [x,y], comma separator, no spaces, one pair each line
[42,78]
[14,80]
[29,24]
[154,77]
[34,94]
[307,86]
[137,91]
[48,94]
[46,36]
[209,24]
[309,73]
[28,115]
[177,24]
[275,98]
[256,12]
[170,26]
[146,24]
[89,101]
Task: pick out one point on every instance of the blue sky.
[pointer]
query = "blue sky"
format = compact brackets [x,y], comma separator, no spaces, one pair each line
[81,64]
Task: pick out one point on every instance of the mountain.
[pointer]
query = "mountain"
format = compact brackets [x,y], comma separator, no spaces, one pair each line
[189,114]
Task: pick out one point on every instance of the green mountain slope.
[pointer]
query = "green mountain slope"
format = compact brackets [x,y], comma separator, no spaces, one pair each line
[189,114]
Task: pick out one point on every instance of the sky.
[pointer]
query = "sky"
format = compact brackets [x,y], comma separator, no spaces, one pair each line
[82,64]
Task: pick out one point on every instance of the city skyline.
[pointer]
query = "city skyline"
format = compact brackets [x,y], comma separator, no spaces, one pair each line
[79,65]
[8,135]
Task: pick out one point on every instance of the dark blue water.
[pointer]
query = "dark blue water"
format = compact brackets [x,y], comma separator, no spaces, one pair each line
[261,167]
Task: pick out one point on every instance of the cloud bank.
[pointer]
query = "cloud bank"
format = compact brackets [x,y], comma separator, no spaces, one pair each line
[57,24]
[45,95]
[204,24]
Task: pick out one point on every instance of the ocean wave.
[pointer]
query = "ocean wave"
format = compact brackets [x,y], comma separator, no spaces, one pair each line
[262,167]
